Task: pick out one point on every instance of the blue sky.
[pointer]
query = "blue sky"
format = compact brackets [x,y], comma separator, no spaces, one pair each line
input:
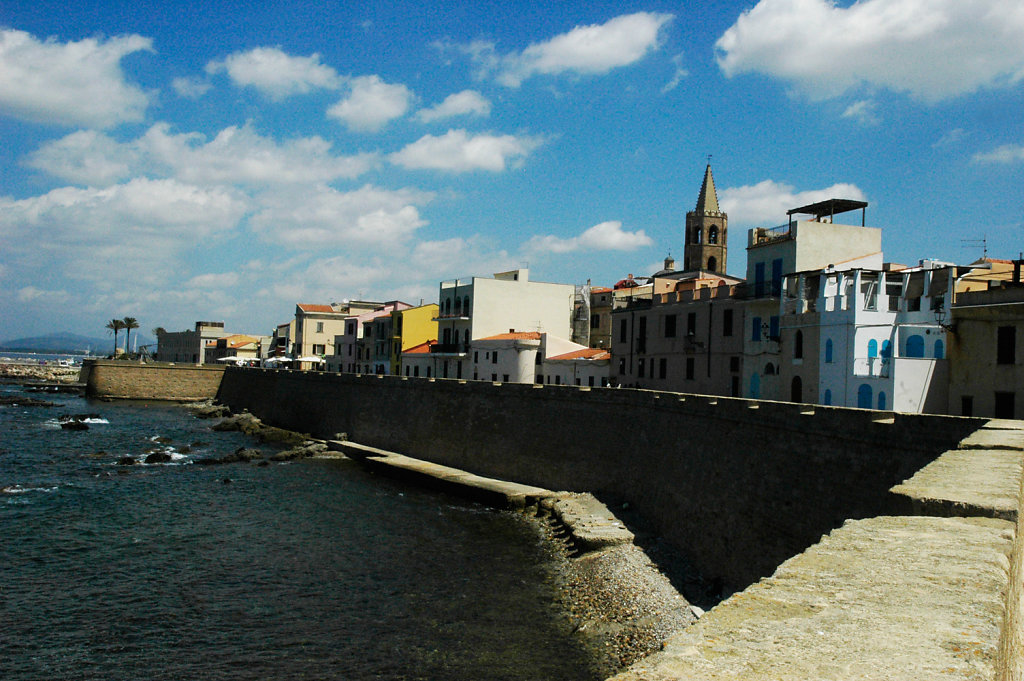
[183,161]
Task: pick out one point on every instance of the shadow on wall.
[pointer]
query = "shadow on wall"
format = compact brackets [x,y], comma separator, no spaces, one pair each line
[738,485]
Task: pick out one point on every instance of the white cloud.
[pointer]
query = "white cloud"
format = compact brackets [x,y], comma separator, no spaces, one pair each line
[951,138]
[135,230]
[931,49]
[31,294]
[75,83]
[593,49]
[368,218]
[192,88]
[864,112]
[1008,153]
[235,155]
[86,157]
[467,102]
[458,151]
[371,104]
[678,76]
[275,73]
[767,202]
[214,281]
[605,236]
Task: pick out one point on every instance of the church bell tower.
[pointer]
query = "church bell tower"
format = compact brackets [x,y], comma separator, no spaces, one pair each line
[706,231]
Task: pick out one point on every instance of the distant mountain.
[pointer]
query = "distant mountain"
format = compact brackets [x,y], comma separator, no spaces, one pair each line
[71,343]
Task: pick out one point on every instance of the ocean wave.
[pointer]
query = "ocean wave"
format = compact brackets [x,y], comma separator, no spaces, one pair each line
[18,489]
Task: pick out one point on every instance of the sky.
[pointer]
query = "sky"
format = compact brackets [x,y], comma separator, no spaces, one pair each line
[223,161]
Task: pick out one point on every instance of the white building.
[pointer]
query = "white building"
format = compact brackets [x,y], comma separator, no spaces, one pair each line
[479,307]
[867,338]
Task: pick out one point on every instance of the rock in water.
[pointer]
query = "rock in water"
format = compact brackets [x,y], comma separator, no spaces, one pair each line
[158,457]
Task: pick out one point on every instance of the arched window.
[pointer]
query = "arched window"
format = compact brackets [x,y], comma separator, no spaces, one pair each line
[769,369]
[465,306]
[940,350]
[713,234]
[796,390]
[828,397]
[828,351]
[447,337]
[864,396]
[712,264]
[697,234]
[448,306]
[798,345]
[881,400]
[465,337]
[872,348]
[886,349]
[755,386]
[458,306]
[915,346]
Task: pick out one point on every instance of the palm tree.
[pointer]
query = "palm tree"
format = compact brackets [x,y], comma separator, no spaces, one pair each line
[128,323]
[115,325]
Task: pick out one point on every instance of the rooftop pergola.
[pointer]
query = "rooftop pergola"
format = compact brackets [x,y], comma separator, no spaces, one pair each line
[829,208]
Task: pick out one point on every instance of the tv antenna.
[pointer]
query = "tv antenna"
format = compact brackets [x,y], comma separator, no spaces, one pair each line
[974,243]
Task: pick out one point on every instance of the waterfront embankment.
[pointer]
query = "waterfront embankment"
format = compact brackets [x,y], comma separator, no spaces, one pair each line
[51,372]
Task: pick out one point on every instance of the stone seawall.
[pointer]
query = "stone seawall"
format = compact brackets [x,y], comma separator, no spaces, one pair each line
[110,379]
[740,485]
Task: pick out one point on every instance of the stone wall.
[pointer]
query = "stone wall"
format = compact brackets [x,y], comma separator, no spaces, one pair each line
[111,379]
[740,485]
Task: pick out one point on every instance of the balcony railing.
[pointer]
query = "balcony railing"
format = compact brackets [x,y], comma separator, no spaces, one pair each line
[874,367]
[450,348]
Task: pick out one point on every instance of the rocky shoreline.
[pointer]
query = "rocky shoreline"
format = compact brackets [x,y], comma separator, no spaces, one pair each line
[38,373]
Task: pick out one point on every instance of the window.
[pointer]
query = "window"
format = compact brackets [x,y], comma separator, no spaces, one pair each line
[670,326]
[662,367]
[758,280]
[641,341]
[734,386]
[940,350]
[690,365]
[755,329]
[1004,408]
[967,405]
[319,349]
[691,323]
[590,381]
[595,321]
[864,396]
[777,277]
[712,236]
[796,390]
[558,380]
[319,327]
[872,348]
[476,356]
[798,345]
[915,346]
[623,331]
[622,366]
[734,364]
[494,357]
[494,377]
[828,397]
[1006,341]
[640,368]
[773,327]
[712,264]
[887,349]
[465,306]
[881,400]
[828,351]
[727,323]
[755,386]
[504,377]
[416,370]
[351,328]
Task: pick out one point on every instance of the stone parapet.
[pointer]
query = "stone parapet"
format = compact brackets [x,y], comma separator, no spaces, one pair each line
[124,380]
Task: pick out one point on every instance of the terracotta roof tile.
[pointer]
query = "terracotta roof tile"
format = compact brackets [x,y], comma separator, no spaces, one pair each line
[309,307]
[422,348]
[515,335]
[585,353]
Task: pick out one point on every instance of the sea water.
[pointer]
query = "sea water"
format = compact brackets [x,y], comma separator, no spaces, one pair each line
[313,569]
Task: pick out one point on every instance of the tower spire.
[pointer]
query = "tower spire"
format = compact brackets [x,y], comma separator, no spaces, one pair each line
[707,202]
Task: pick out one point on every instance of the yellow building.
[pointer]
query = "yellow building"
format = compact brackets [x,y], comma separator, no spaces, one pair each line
[411,327]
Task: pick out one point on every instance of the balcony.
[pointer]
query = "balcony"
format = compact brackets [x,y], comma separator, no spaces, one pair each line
[449,349]
[872,367]
[760,236]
